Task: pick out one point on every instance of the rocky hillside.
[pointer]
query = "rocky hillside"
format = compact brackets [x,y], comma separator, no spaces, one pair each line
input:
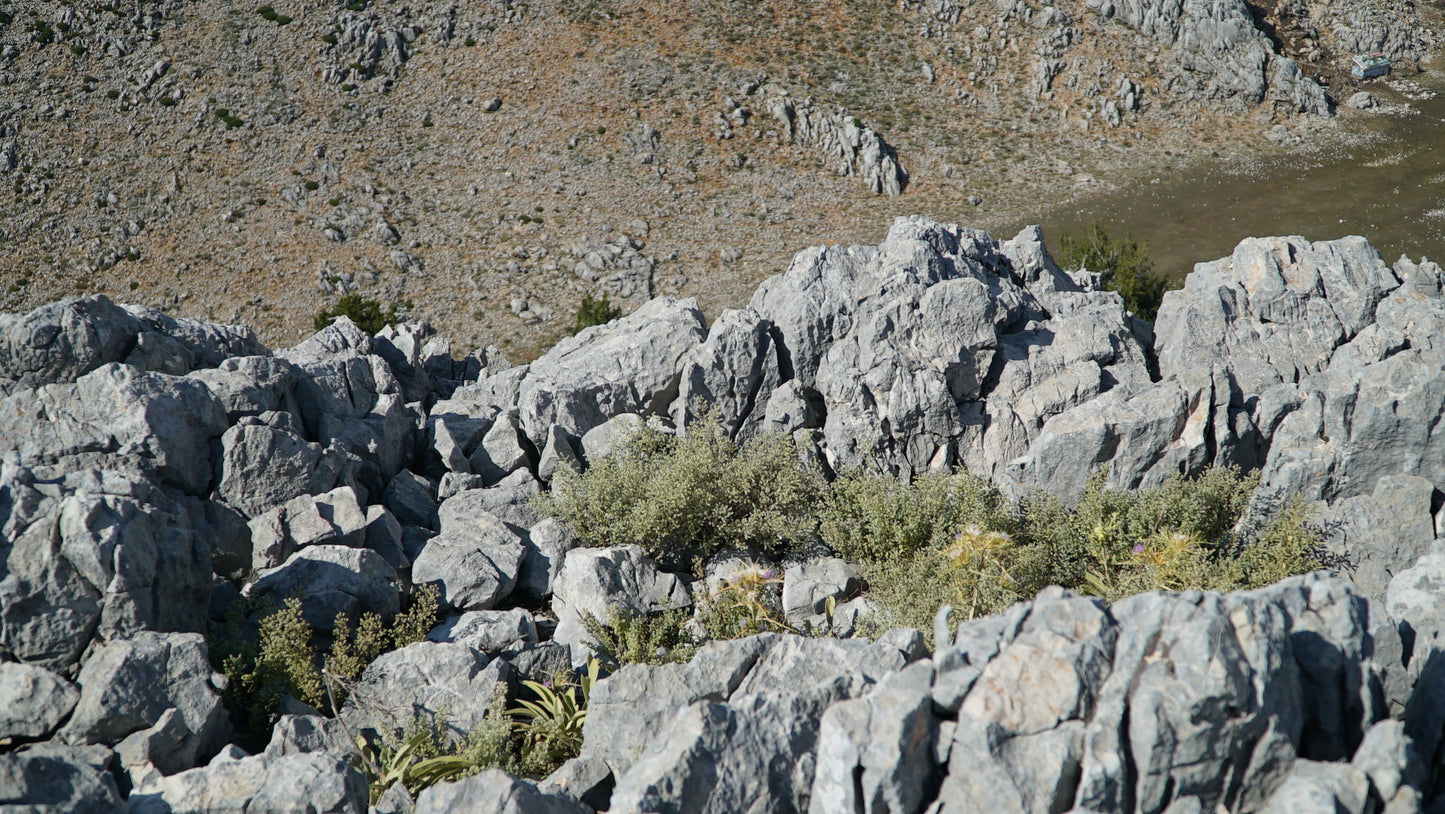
[162,476]
[490,163]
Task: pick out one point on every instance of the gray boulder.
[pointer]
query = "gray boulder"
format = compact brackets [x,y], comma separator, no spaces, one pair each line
[251,385]
[333,518]
[302,734]
[117,416]
[475,559]
[494,791]
[427,681]
[487,631]
[1381,534]
[557,451]
[62,341]
[601,581]
[508,500]
[332,579]
[1313,786]
[177,345]
[101,555]
[34,702]
[547,545]
[807,587]
[740,746]
[129,685]
[609,436]
[57,778]
[412,498]
[877,752]
[312,783]
[501,452]
[348,395]
[454,428]
[732,373]
[630,365]
[262,468]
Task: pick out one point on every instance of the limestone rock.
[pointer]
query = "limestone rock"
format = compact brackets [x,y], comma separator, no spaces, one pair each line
[128,685]
[34,702]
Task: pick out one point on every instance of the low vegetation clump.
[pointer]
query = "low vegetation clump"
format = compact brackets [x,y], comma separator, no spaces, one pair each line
[681,497]
[368,315]
[948,538]
[532,738]
[641,638]
[1123,264]
[594,312]
[281,660]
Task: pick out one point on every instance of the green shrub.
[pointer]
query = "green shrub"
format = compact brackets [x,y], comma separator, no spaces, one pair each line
[870,518]
[280,660]
[367,314]
[593,312]
[1176,536]
[1123,263]
[649,638]
[679,497]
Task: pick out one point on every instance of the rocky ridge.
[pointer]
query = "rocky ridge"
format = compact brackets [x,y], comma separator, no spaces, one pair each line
[153,470]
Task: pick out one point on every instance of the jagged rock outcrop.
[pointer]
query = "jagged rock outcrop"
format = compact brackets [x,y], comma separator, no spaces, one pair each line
[146,494]
[1220,49]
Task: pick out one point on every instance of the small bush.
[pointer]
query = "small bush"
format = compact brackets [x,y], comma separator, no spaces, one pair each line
[367,314]
[677,497]
[1123,263]
[652,638]
[280,659]
[1176,536]
[593,312]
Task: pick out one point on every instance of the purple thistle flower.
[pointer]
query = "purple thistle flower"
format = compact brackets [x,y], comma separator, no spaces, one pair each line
[1139,549]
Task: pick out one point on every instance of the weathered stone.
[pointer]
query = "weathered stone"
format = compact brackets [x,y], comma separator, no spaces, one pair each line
[731,374]
[412,498]
[97,554]
[62,341]
[251,385]
[475,560]
[628,366]
[609,436]
[334,518]
[332,579]
[557,452]
[509,501]
[128,685]
[494,791]
[877,751]
[117,415]
[262,468]
[807,586]
[501,452]
[430,680]
[602,581]
[487,631]
[34,702]
[319,783]
[547,545]
[56,779]
[300,734]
